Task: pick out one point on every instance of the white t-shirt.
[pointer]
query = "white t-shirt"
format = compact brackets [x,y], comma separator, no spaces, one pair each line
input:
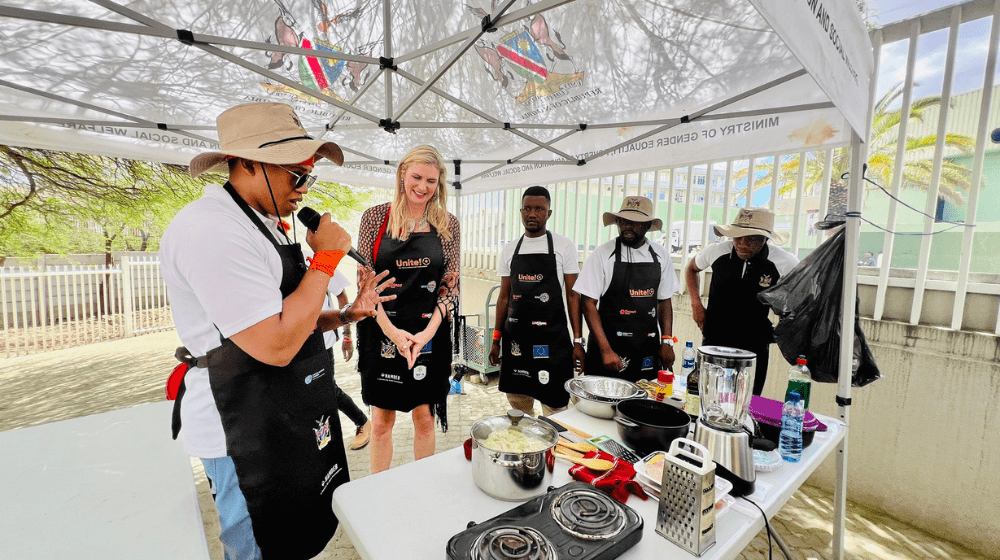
[562,246]
[595,277]
[337,284]
[219,271]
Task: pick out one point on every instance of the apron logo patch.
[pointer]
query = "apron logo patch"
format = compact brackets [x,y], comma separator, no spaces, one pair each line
[539,323]
[413,263]
[647,362]
[315,376]
[648,292]
[765,280]
[515,350]
[543,297]
[427,347]
[530,277]
[426,315]
[419,372]
[624,334]
[627,312]
[651,335]
[388,350]
[543,377]
[515,297]
[430,286]
[522,372]
[540,351]
[322,432]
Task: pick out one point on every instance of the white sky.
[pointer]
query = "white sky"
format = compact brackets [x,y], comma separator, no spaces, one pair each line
[888,11]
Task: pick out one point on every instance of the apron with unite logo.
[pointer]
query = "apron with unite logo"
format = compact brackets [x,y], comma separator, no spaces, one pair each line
[537,351]
[387,382]
[282,430]
[628,316]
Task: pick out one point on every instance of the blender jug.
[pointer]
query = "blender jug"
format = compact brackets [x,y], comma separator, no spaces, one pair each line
[726,385]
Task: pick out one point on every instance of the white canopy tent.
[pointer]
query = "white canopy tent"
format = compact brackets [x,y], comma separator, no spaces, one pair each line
[514,92]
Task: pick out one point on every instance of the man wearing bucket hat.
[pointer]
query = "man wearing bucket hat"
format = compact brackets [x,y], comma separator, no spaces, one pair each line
[742,267]
[626,286]
[259,405]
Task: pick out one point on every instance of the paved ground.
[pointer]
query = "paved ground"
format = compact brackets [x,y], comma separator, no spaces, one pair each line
[107,376]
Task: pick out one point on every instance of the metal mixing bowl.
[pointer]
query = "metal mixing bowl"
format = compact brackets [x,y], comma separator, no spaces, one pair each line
[597,396]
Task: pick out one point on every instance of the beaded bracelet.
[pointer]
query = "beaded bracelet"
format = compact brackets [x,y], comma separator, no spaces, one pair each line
[325,261]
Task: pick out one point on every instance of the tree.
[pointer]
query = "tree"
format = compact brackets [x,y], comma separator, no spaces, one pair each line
[61,202]
[954,181]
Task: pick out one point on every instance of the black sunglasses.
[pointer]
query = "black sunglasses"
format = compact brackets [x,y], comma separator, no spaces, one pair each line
[302,180]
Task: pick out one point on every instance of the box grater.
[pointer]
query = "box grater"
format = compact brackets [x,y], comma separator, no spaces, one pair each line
[686,516]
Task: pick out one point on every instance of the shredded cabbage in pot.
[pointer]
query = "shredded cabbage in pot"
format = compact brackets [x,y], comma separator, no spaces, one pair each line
[514,441]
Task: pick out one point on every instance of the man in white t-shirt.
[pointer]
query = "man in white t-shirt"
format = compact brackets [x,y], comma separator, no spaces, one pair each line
[626,285]
[535,271]
[258,398]
[345,404]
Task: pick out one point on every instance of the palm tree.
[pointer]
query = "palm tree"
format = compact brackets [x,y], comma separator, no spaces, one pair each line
[954,181]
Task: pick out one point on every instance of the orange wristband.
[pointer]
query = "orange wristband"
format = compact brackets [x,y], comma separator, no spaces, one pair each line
[325,261]
[496,335]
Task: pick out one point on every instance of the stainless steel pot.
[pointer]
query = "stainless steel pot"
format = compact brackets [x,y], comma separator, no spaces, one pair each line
[508,475]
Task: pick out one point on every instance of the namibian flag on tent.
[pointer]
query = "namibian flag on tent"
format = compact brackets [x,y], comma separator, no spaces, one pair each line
[319,73]
[526,59]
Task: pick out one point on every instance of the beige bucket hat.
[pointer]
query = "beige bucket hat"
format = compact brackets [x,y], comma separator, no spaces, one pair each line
[264,132]
[635,209]
[753,221]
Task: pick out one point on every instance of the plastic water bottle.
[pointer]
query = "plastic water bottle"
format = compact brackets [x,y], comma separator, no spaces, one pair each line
[687,366]
[800,381]
[792,416]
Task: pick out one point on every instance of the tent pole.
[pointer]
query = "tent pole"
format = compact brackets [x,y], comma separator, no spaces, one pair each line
[849,295]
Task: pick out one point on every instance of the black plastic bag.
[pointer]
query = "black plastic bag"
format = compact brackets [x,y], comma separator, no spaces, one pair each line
[807,303]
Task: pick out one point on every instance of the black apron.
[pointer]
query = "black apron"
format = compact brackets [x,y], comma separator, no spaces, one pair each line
[537,351]
[282,430]
[628,316]
[387,382]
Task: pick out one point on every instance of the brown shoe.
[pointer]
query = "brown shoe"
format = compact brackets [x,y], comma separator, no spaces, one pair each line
[362,436]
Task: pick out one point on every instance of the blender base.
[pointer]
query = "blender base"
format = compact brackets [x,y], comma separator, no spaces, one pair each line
[732,453]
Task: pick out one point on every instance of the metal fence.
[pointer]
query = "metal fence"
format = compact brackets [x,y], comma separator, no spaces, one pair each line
[71,305]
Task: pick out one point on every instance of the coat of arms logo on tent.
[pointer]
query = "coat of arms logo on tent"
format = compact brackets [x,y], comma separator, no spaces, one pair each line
[528,61]
[336,78]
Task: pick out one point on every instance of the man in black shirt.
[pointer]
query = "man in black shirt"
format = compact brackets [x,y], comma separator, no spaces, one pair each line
[741,268]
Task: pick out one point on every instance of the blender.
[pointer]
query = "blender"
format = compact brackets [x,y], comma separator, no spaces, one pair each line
[726,385]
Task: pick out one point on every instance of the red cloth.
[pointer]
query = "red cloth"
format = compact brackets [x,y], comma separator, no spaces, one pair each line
[617,482]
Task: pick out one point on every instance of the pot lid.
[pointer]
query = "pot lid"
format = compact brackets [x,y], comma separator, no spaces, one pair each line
[515,420]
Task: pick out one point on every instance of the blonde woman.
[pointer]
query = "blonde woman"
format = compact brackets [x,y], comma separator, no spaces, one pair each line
[405,350]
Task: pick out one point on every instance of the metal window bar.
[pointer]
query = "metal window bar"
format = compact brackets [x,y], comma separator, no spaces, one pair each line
[897,178]
[934,187]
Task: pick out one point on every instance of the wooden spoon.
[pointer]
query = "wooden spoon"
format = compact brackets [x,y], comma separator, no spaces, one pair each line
[593,464]
[581,447]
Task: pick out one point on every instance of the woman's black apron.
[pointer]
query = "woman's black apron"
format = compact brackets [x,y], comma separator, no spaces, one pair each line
[387,382]
[537,351]
[282,430]
[628,316]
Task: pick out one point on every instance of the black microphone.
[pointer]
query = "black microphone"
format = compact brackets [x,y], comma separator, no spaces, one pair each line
[310,219]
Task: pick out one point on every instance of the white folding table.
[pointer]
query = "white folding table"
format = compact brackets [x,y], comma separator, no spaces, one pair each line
[412,510]
[101,487]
